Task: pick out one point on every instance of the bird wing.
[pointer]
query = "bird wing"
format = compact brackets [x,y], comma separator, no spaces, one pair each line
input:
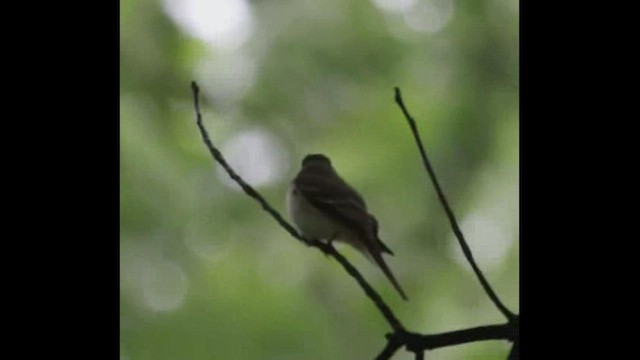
[383,246]
[335,198]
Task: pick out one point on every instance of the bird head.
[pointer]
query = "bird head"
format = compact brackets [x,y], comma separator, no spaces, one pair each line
[317,159]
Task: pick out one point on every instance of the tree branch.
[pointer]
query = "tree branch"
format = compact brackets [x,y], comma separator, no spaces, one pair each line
[325,248]
[418,343]
[414,342]
[454,224]
[394,342]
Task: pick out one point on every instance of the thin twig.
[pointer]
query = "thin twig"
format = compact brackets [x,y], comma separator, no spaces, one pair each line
[217,155]
[325,248]
[454,224]
[371,293]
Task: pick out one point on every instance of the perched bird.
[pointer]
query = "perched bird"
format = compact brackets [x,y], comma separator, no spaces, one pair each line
[324,207]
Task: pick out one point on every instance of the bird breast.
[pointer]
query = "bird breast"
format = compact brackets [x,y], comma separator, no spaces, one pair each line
[310,221]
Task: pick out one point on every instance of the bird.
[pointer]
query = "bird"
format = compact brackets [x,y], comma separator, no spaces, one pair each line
[324,207]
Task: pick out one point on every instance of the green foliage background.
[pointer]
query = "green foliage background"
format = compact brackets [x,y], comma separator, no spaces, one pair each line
[206,274]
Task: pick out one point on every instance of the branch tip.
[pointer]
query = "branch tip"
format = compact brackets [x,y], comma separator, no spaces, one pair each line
[452,219]
[398,97]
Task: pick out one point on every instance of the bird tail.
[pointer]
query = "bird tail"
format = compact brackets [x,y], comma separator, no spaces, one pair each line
[377,258]
[385,269]
[385,248]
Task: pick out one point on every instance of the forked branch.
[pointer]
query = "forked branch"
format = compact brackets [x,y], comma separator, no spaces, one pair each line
[414,342]
[325,248]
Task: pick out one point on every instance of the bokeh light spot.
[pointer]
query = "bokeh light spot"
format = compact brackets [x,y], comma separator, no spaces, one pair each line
[227,76]
[488,241]
[429,15]
[256,156]
[395,5]
[164,285]
[221,23]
